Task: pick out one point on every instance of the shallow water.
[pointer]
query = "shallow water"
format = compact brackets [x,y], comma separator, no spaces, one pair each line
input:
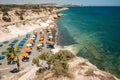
[93,33]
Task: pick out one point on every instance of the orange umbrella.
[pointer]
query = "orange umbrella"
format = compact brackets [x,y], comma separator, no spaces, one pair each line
[24,54]
[41,39]
[41,42]
[52,42]
[27,48]
[30,41]
[41,35]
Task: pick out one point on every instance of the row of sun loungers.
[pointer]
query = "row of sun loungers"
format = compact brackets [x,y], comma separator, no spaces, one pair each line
[29,45]
[12,44]
[30,42]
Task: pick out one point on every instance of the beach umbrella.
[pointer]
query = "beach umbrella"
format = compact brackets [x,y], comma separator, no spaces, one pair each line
[1,45]
[51,42]
[39,45]
[32,38]
[40,42]
[42,35]
[24,54]
[50,36]
[29,45]
[27,48]
[30,41]
[41,39]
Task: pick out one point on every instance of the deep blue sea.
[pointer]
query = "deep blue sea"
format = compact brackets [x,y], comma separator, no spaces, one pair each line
[93,33]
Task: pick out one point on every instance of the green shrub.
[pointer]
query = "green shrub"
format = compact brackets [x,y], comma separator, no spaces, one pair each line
[35,61]
[6,19]
[21,18]
[60,68]
[89,72]
[17,48]
[57,62]
[110,77]
[64,55]
[5,11]
[44,56]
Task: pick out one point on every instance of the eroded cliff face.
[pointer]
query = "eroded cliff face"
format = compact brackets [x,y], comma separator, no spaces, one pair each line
[79,69]
[23,21]
[9,16]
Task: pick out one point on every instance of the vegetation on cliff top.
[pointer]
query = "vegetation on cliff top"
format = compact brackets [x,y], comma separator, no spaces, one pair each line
[57,62]
[5,8]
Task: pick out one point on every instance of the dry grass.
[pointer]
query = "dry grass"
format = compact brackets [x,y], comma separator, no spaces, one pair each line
[89,72]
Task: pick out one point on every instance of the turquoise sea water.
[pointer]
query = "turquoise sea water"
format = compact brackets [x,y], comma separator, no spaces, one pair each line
[93,33]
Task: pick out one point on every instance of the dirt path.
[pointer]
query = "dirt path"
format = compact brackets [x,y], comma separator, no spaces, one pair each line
[29,74]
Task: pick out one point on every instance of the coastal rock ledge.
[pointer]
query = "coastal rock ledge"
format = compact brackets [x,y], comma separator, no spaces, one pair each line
[79,69]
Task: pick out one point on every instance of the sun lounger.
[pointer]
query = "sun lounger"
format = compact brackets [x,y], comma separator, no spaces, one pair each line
[4,52]
[12,44]
[1,45]
[21,45]
[22,42]
[17,52]
[15,41]
[11,63]
[5,42]
[2,57]
[49,46]
[28,35]
[25,39]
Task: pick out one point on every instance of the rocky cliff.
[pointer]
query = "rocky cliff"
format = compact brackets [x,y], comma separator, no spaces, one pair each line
[79,69]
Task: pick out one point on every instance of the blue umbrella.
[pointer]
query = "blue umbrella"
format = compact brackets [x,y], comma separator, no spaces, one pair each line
[1,45]
[2,57]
